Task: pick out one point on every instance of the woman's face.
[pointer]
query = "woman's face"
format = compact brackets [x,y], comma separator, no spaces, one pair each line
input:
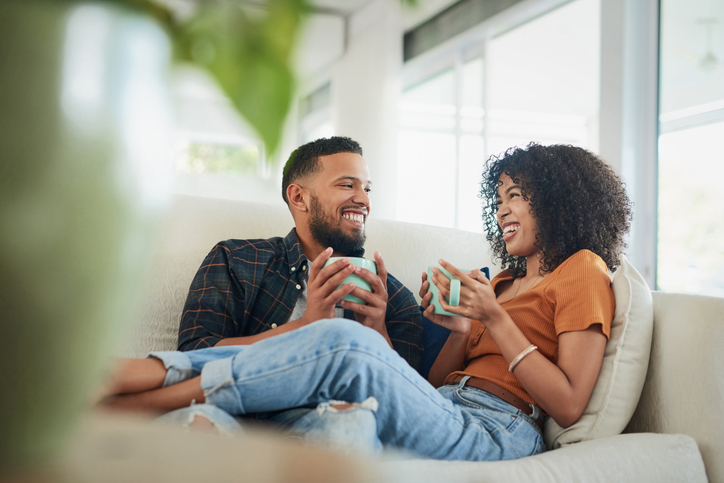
[515,219]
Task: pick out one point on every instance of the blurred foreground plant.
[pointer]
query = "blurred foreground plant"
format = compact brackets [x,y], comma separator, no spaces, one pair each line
[247,47]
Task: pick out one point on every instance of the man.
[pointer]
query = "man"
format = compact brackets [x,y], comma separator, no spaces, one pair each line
[249,290]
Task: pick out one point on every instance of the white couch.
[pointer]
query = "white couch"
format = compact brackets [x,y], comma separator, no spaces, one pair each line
[674,435]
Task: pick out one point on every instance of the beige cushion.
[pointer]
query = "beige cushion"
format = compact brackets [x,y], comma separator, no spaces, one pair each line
[639,458]
[194,225]
[625,362]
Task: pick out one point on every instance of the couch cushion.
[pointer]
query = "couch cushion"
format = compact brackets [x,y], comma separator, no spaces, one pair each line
[194,225]
[625,362]
[640,458]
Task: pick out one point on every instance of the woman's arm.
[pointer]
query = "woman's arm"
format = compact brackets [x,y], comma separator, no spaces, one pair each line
[450,359]
[562,390]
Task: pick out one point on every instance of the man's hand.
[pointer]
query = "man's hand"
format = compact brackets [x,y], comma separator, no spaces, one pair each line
[322,292]
[373,314]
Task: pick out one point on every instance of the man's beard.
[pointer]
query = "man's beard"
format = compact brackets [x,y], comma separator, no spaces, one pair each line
[325,233]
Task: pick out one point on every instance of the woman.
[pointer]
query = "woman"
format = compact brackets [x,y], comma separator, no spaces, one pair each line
[535,335]
[555,217]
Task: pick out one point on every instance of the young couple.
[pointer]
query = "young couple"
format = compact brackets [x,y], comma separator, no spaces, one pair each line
[529,343]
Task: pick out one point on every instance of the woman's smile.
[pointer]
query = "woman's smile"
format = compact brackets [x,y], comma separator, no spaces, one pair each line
[515,218]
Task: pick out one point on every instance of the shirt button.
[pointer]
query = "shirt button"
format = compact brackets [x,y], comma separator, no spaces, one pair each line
[294,269]
[274,326]
[299,286]
[304,267]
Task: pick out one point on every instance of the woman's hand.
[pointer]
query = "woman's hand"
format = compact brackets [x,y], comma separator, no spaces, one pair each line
[477,297]
[459,325]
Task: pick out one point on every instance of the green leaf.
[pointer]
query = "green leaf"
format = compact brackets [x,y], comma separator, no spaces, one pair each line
[249,55]
[248,52]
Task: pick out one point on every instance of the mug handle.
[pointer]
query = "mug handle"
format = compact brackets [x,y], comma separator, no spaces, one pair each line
[454,292]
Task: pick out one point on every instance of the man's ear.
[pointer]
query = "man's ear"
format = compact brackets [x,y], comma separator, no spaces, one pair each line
[298,197]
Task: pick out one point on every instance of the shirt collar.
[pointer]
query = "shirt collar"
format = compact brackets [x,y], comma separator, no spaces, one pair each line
[295,255]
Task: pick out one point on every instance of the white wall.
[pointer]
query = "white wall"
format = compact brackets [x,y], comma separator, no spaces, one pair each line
[365,93]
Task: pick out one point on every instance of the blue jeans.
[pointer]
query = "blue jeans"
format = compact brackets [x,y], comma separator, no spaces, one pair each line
[339,359]
[348,431]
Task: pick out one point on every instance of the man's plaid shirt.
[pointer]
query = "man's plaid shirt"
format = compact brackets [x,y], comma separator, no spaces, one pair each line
[245,286]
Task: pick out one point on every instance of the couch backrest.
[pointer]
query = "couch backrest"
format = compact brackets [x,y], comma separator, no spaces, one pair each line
[193,225]
[684,388]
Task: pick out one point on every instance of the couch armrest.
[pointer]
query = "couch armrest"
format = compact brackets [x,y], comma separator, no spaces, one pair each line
[684,388]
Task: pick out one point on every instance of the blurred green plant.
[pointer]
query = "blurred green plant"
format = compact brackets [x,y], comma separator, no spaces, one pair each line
[247,47]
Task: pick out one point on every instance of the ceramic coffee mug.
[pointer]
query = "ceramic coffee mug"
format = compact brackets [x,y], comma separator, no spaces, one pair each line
[356,279]
[454,299]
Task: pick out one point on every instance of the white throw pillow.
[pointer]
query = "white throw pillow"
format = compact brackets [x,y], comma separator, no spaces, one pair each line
[625,363]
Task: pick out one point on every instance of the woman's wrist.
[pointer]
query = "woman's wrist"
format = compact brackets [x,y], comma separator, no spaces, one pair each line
[461,332]
[495,315]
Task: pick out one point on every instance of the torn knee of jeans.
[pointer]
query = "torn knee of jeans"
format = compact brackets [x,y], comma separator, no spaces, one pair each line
[199,420]
[334,406]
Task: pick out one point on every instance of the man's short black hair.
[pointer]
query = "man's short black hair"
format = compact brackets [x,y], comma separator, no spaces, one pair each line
[305,159]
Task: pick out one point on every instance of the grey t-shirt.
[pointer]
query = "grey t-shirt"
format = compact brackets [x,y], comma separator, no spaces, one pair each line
[301,306]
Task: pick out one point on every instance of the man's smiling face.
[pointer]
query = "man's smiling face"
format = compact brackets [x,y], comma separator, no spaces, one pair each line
[340,203]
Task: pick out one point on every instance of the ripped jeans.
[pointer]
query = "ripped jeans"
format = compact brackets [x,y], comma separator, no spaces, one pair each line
[339,359]
[351,430]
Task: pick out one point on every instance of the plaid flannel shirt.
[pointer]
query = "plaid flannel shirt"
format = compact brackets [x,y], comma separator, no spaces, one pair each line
[245,286]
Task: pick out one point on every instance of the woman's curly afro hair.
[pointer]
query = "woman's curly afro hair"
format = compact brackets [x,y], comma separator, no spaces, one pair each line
[576,198]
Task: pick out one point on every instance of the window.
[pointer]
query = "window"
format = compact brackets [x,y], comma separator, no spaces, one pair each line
[222,166]
[427,157]
[315,115]
[217,154]
[233,157]
[691,225]
[440,146]
[690,246]
[536,82]
[543,80]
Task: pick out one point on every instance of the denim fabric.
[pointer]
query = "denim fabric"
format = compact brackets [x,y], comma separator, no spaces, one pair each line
[339,359]
[181,366]
[350,430]
[354,429]
[224,422]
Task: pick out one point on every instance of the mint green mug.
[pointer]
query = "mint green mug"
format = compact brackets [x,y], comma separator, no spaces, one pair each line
[454,299]
[353,277]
